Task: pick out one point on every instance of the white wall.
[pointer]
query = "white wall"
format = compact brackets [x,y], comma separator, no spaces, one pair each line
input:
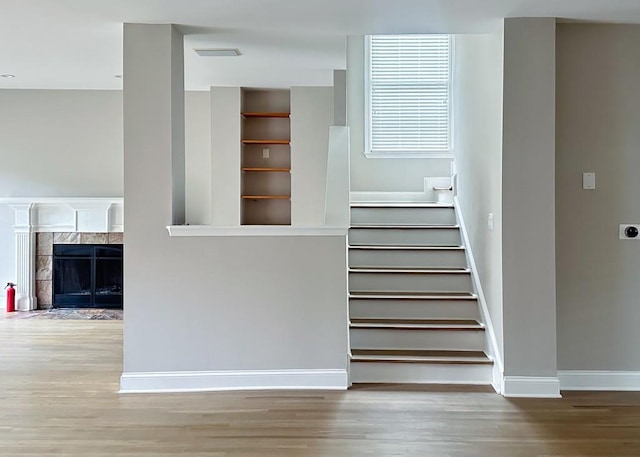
[528,198]
[220,303]
[198,157]
[68,143]
[226,155]
[478,88]
[65,143]
[597,131]
[379,174]
[311,117]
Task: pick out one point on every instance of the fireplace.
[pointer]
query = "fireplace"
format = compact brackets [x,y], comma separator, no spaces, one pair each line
[87,275]
[39,223]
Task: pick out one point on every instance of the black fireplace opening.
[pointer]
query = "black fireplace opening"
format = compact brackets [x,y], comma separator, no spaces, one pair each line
[87,276]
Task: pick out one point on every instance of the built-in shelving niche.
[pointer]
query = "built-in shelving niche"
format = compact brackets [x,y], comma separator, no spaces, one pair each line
[266,157]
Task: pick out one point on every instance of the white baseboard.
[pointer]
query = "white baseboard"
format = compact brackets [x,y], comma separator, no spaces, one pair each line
[202,381]
[531,387]
[599,380]
[493,348]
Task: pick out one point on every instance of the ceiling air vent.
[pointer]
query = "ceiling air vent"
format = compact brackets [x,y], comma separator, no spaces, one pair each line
[217,52]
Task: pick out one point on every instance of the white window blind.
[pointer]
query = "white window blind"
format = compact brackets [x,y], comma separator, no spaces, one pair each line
[409,94]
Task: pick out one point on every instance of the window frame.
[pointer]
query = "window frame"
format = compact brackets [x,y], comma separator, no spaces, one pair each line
[444,154]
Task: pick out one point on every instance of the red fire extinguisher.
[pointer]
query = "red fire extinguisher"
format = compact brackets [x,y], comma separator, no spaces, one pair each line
[11,297]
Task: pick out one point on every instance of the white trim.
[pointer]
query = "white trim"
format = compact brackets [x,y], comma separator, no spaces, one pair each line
[599,380]
[202,381]
[410,155]
[427,195]
[66,214]
[374,197]
[62,200]
[531,387]
[255,230]
[494,351]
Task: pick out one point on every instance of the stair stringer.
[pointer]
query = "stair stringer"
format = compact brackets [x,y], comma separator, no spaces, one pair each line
[491,342]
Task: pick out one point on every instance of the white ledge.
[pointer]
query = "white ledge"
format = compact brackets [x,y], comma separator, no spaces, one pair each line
[256,230]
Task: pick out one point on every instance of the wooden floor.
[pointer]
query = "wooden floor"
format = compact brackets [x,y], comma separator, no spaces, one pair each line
[59,382]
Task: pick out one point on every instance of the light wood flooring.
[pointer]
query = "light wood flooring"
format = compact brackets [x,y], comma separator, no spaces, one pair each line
[59,382]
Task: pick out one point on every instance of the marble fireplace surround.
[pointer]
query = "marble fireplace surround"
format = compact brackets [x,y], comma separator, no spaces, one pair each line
[41,222]
[44,257]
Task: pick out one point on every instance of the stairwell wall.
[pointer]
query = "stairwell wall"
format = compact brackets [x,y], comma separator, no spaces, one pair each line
[478,155]
[597,131]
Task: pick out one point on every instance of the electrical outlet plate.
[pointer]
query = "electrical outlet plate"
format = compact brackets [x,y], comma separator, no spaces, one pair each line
[623,232]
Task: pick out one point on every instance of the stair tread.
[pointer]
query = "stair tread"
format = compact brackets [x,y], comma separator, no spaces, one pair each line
[417,324]
[420,356]
[400,205]
[413,295]
[391,247]
[410,270]
[406,226]
[365,320]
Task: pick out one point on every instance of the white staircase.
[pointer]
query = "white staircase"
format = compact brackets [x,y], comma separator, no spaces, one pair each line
[414,317]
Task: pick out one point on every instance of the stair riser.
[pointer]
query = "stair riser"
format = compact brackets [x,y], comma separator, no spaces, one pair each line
[405,258]
[404,237]
[418,282]
[454,340]
[413,309]
[401,216]
[420,373]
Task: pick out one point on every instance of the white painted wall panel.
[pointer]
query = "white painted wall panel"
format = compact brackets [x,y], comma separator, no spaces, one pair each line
[311,117]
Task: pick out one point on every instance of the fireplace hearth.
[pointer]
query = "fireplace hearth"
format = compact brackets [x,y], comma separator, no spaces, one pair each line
[87,275]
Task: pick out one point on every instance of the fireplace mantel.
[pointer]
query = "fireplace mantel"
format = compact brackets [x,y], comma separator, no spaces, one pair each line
[36,214]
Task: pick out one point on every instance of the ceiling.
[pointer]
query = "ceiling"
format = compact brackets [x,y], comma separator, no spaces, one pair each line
[77,44]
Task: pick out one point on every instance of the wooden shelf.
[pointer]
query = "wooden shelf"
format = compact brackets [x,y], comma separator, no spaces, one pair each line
[266,169]
[266,197]
[266,141]
[265,178]
[266,114]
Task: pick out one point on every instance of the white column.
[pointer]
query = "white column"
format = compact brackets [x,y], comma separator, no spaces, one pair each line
[528,207]
[25,276]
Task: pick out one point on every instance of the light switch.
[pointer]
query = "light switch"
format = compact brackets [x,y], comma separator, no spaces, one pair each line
[588,181]
[265,153]
[490,221]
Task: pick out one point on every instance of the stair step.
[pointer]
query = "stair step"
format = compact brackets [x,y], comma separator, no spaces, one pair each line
[367,305]
[405,235]
[407,257]
[400,205]
[401,214]
[420,356]
[408,295]
[417,324]
[390,372]
[383,247]
[410,270]
[417,336]
[417,281]
[406,226]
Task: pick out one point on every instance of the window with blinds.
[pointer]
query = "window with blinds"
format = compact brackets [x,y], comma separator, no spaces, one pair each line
[409,95]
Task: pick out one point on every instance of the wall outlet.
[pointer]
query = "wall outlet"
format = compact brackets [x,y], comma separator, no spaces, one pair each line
[265,153]
[630,232]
